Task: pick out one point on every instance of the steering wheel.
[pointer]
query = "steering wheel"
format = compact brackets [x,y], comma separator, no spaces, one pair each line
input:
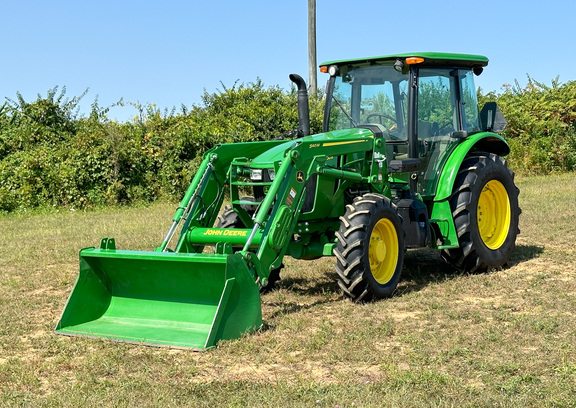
[388,134]
[382,116]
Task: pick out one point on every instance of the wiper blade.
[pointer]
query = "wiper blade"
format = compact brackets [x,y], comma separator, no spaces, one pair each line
[344,110]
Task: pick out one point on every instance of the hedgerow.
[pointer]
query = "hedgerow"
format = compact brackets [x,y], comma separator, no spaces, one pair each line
[52,156]
[541,125]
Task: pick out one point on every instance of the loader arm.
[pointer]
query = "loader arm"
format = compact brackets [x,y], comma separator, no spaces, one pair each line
[204,196]
[277,216]
[265,244]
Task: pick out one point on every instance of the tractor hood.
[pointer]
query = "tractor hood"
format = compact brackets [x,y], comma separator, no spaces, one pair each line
[277,153]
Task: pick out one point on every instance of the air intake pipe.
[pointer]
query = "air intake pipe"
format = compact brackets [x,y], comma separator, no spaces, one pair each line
[303,110]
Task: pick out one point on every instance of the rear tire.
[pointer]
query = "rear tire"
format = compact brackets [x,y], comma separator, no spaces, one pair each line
[485,209]
[370,250]
[229,219]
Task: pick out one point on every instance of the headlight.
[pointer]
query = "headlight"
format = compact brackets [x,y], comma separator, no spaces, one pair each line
[271,174]
[256,174]
[333,70]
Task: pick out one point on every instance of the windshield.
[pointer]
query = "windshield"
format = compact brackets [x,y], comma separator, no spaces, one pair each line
[374,95]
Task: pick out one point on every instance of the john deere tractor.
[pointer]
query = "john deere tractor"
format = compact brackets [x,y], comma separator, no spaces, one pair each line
[405,160]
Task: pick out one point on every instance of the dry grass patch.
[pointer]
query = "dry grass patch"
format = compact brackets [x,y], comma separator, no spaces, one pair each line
[504,338]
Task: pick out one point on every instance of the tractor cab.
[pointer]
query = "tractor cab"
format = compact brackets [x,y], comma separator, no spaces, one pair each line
[423,106]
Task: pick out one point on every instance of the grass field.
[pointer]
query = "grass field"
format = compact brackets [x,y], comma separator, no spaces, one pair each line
[501,339]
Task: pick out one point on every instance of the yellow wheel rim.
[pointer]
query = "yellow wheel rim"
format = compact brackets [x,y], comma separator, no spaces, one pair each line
[383,251]
[493,214]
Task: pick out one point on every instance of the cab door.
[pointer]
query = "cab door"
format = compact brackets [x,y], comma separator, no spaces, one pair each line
[446,104]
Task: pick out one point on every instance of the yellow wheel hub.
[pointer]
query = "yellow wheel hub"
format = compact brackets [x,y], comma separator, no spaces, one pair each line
[383,251]
[493,214]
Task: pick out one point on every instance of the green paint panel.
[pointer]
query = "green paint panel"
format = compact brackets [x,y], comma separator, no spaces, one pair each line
[437,58]
[489,142]
[175,299]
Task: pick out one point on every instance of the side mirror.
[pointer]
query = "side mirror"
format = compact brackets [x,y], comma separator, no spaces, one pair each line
[491,118]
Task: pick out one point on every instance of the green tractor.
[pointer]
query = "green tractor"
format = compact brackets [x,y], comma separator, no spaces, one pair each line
[405,160]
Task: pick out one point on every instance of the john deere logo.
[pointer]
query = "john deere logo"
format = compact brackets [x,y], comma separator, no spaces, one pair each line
[300,177]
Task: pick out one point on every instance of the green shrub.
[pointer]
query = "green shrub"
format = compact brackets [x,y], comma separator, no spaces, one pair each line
[541,125]
[51,157]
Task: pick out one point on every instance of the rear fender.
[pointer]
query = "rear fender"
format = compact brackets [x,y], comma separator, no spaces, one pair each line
[480,142]
[441,214]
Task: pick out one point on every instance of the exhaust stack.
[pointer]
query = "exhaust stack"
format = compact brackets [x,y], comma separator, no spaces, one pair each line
[303,110]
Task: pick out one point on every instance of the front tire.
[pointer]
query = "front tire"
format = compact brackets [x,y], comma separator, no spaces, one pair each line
[370,250]
[485,209]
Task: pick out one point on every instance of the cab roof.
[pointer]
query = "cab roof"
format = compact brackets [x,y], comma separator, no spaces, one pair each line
[430,59]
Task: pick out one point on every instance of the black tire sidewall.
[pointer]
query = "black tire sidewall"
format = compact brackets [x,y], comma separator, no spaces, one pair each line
[387,289]
[493,170]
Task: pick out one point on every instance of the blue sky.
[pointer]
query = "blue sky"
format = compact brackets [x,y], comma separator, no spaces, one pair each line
[169,52]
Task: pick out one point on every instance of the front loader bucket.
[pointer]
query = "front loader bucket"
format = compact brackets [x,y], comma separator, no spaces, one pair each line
[162,298]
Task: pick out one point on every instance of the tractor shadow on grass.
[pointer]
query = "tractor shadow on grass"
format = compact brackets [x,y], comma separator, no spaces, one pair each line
[311,287]
[524,253]
[422,268]
[303,294]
